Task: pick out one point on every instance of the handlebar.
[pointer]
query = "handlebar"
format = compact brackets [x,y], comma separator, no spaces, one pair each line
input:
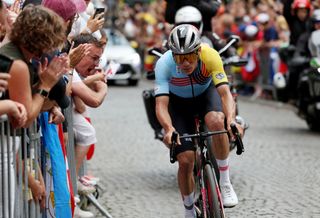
[155,51]
[174,139]
[202,135]
[235,61]
[238,140]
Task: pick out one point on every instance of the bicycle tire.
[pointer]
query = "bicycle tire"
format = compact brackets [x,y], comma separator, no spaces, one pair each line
[215,206]
[213,159]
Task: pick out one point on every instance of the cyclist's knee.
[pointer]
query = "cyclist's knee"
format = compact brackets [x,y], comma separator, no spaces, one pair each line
[185,160]
[215,120]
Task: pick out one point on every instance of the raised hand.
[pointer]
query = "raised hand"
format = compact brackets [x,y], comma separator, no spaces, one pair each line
[49,74]
[76,54]
[96,23]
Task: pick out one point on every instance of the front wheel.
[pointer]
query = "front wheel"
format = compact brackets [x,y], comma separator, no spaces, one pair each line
[214,200]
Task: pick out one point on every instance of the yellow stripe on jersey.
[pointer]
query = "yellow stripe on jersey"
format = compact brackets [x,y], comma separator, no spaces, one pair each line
[213,64]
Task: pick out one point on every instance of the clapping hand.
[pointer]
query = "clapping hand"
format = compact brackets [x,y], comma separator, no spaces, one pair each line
[49,74]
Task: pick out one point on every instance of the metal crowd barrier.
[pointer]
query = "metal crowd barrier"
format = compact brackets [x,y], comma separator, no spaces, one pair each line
[16,157]
[21,152]
[83,170]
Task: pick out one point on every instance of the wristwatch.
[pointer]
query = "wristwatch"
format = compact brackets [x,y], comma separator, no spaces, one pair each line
[43,93]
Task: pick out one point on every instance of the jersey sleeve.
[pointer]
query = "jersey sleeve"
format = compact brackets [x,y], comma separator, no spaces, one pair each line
[162,74]
[214,65]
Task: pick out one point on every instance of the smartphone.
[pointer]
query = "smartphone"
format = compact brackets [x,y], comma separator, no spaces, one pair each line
[5,63]
[98,11]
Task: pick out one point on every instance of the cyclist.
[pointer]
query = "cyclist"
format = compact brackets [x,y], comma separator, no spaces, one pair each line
[184,86]
[191,15]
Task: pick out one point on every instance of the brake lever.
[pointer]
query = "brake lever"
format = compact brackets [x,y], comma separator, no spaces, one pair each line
[238,140]
[174,139]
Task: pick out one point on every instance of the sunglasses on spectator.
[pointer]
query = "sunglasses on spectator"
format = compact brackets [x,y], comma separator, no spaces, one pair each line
[190,57]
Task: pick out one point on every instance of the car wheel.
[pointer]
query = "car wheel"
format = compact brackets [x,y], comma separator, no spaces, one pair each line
[133,82]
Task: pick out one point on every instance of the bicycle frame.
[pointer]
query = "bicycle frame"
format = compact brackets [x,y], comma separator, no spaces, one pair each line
[201,160]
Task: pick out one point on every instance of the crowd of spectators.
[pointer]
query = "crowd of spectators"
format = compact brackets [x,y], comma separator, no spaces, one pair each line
[50,54]
[264,26]
[54,49]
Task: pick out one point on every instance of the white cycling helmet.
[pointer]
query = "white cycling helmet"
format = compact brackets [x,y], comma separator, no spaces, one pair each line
[184,39]
[189,15]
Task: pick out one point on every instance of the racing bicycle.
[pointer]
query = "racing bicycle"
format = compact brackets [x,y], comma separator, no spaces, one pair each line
[209,201]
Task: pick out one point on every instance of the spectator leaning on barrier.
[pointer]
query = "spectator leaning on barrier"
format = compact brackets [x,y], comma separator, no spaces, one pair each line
[25,85]
[15,111]
[11,108]
[68,10]
[35,31]
[91,92]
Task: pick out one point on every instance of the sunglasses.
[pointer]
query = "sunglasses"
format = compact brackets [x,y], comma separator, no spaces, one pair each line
[180,58]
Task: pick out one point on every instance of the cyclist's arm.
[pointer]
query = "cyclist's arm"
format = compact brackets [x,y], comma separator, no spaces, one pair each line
[228,104]
[215,66]
[162,73]
[162,112]
[163,116]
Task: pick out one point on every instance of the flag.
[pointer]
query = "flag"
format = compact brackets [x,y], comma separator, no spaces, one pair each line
[60,182]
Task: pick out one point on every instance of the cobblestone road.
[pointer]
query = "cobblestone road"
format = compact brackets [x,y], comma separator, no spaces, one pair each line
[277,176]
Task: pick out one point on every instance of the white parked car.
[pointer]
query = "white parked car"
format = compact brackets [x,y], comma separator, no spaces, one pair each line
[119,50]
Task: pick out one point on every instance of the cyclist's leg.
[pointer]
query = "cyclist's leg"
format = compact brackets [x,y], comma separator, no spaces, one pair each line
[214,120]
[183,122]
[210,101]
[186,181]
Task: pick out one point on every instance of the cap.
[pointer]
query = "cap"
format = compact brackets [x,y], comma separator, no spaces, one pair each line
[65,8]
[58,93]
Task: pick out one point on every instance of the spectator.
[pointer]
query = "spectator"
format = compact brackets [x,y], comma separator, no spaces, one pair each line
[47,35]
[269,59]
[297,14]
[91,92]
[88,24]
[8,18]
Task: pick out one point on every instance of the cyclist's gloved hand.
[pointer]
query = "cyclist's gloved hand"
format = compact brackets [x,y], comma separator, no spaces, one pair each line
[229,122]
[167,137]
